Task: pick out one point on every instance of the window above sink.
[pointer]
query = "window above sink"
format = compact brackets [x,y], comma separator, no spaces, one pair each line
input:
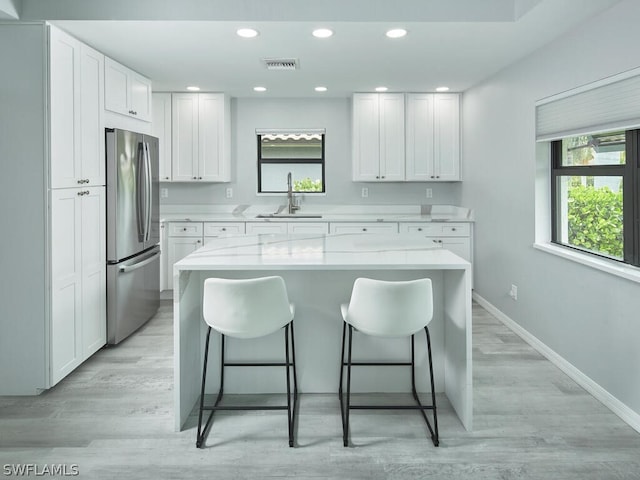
[300,152]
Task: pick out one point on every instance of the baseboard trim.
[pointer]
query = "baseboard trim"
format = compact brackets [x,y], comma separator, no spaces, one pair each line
[629,416]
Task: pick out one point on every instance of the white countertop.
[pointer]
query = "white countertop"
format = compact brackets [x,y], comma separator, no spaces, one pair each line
[336,213]
[321,252]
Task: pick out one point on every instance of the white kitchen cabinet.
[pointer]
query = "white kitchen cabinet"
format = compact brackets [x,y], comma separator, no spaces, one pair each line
[456,237]
[308,227]
[126,92]
[182,239]
[378,137]
[363,227]
[433,137]
[78,277]
[161,128]
[76,83]
[266,227]
[200,137]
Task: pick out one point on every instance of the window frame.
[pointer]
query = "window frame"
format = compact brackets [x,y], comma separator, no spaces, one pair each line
[302,161]
[629,171]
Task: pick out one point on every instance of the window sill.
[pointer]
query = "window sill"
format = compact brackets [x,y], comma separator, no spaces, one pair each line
[614,268]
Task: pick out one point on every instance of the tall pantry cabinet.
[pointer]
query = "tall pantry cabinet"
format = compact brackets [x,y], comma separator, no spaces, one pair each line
[53,206]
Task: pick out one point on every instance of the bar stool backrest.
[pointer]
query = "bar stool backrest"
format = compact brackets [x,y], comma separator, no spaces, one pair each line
[246,308]
[390,308]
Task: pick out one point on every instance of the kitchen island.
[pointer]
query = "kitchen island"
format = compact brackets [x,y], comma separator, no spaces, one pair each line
[319,271]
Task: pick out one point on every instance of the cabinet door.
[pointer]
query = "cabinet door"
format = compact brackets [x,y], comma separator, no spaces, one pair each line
[93,259]
[66,283]
[365,137]
[447,137]
[116,87]
[392,137]
[91,126]
[461,246]
[184,115]
[64,77]
[213,144]
[419,138]
[161,128]
[178,248]
[140,97]
[266,227]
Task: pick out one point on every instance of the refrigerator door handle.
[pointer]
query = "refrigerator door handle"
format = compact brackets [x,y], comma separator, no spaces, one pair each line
[140,192]
[149,191]
[135,266]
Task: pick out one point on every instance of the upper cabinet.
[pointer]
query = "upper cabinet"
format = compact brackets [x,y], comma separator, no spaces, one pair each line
[421,145]
[200,137]
[77,132]
[126,92]
[433,137]
[161,128]
[378,137]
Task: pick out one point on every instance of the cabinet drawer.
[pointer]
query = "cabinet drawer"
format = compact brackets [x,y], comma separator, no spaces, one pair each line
[365,227]
[307,227]
[266,227]
[218,228]
[437,229]
[185,229]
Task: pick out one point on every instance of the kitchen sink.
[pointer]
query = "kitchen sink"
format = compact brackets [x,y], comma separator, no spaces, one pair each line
[286,215]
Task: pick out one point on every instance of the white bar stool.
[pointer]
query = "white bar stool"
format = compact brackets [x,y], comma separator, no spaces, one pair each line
[388,309]
[248,308]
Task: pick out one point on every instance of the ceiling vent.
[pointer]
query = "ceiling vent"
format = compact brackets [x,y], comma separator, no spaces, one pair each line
[281,63]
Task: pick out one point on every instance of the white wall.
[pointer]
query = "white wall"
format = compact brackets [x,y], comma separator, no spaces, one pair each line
[589,317]
[332,114]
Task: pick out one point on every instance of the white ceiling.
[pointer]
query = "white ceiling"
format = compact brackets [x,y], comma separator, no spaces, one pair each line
[457,43]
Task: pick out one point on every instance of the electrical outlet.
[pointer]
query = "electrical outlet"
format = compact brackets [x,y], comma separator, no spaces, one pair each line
[365,192]
[229,192]
[513,293]
[164,193]
[429,192]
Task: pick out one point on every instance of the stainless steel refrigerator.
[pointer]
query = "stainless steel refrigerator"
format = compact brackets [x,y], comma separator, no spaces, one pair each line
[133,232]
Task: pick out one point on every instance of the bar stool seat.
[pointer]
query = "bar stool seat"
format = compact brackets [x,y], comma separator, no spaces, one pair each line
[388,309]
[245,309]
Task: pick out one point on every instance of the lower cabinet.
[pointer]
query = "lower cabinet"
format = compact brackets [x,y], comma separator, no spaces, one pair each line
[455,237]
[78,277]
[179,247]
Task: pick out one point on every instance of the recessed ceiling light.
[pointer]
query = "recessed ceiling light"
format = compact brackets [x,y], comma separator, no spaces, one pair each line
[322,32]
[321,89]
[382,89]
[193,88]
[396,33]
[442,89]
[259,89]
[247,32]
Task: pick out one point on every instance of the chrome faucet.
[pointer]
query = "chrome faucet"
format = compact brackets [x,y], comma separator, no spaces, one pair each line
[291,201]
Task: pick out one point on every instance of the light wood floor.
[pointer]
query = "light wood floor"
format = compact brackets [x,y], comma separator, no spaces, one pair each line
[113,419]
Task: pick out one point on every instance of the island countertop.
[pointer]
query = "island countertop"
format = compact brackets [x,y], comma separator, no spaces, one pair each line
[319,271]
[322,252]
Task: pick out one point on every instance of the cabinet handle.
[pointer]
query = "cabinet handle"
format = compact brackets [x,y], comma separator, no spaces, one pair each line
[453,229]
[383,176]
[195,178]
[199,178]
[364,229]
[83,192]
[432,176]
[166,178]
[419,229]
[184,229]
[437,176]
[198,241]
[377,176]
[223,229]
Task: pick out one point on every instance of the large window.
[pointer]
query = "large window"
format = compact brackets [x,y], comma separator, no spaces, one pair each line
[300,153]
[595,194]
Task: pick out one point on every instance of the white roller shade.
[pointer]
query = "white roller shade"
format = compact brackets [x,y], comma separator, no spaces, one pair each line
[610,104]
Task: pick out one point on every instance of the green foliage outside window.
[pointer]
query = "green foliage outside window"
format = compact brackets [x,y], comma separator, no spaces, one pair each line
[595,219]
[307,185]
